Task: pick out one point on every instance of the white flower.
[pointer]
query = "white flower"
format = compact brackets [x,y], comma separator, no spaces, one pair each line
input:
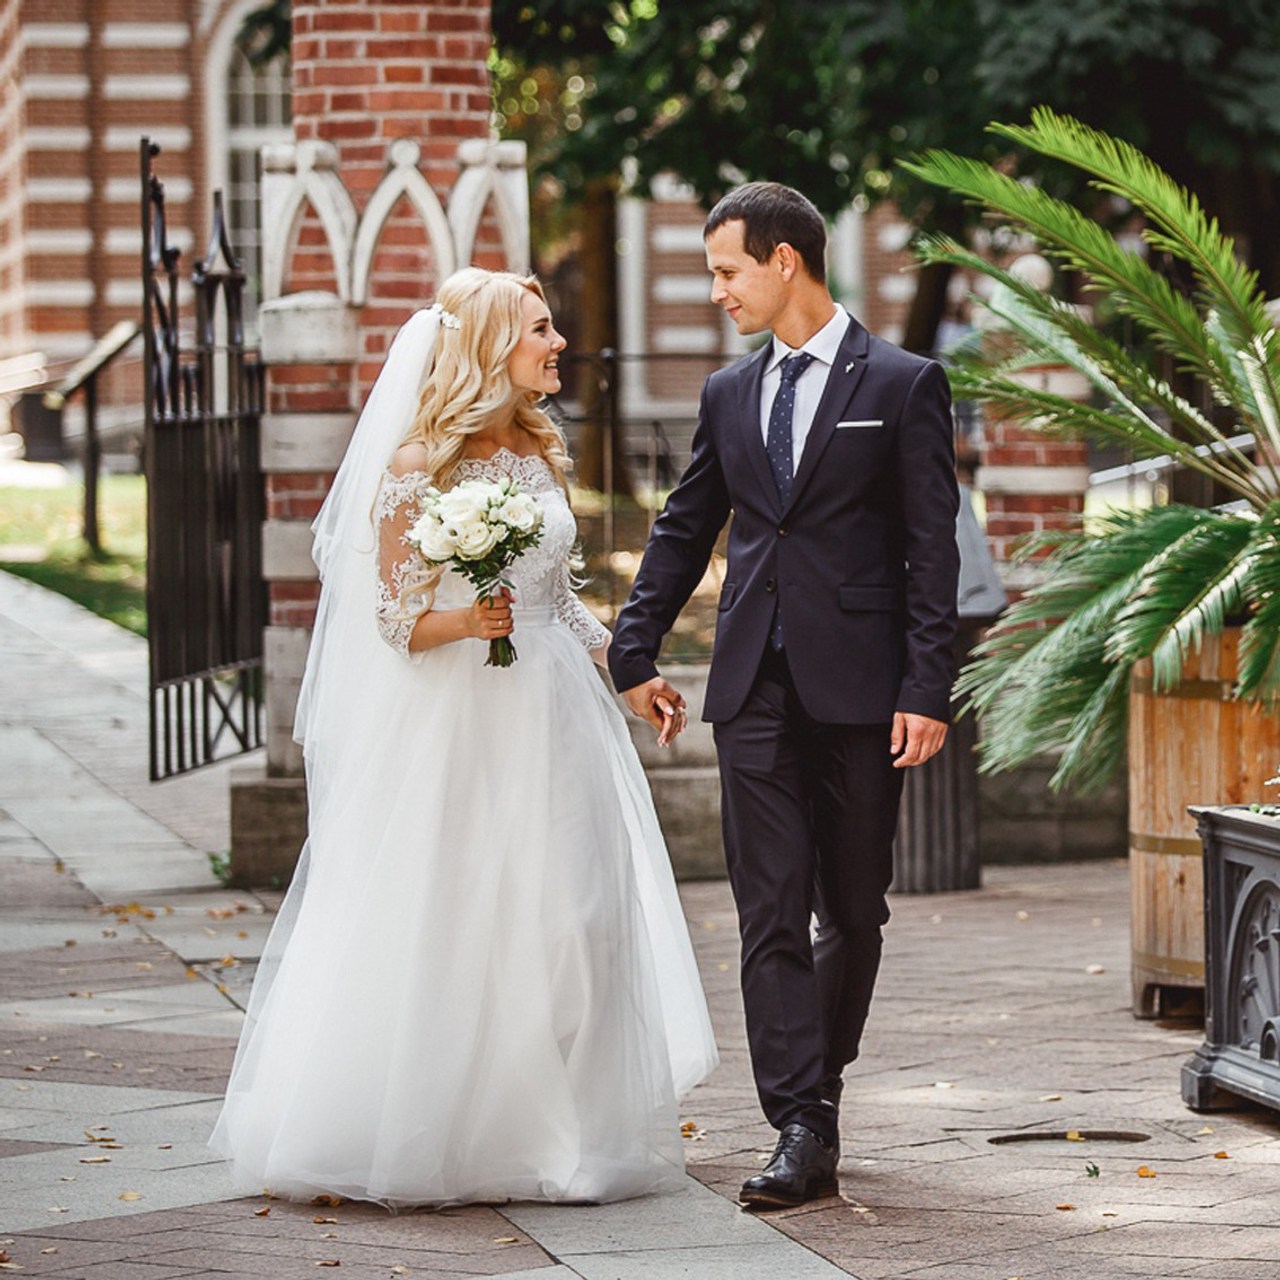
[463,504]
[474,539]
[432,539]
[520,512]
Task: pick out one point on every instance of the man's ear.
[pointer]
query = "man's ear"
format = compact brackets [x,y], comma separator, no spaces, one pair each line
[786,259]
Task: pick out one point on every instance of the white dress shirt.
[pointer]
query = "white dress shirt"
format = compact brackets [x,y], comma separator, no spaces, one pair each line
[824,346]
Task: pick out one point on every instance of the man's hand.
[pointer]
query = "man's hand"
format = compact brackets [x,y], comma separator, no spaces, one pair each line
[919,735]
[661,705]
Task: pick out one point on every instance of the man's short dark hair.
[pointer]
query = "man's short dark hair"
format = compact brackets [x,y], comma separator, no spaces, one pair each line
[772,214]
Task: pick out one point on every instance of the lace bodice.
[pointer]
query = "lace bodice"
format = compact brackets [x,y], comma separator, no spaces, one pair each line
[540,576]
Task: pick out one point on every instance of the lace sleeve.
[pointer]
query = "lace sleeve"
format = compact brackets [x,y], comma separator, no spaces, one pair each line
[399,565]
[587,629]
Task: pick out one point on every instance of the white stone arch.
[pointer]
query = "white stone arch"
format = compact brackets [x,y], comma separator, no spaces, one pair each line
[402,178]
[494,169]
[218,52]
[292,178]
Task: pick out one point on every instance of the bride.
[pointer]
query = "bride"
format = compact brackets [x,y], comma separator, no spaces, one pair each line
[480,985]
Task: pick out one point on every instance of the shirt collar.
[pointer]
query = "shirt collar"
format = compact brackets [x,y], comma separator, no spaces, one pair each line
[824,345]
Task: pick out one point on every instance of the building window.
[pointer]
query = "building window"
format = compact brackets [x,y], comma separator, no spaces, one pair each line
[258,115]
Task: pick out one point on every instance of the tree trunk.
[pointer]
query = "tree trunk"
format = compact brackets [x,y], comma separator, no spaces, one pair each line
[930,302]
[927,308]
[598,331]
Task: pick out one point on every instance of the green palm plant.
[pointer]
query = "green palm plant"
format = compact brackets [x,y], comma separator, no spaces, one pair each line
[1153,583]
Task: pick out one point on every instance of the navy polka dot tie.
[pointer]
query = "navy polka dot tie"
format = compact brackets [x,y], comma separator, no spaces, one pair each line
[778,445]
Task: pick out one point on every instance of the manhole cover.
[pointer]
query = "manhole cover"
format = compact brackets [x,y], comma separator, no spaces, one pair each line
[1071,1135]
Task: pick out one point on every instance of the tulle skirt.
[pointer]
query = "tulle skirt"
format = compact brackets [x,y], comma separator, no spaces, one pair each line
[480,985]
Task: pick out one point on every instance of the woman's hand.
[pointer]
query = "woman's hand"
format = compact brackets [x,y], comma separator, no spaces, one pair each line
[490,618]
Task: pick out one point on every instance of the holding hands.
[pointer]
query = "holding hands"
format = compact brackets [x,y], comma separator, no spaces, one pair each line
[659,703]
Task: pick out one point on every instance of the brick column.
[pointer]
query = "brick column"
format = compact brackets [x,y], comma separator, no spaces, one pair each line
[1031,481]
[380,87]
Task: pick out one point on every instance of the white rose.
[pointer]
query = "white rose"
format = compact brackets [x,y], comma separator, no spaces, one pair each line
[519,512]
[475,539]
[434,541]
[461,505]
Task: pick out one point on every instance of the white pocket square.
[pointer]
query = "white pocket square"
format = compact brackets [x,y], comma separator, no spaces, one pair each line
[861,422]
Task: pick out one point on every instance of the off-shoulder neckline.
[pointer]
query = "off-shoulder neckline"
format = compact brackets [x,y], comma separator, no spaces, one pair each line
[476,462]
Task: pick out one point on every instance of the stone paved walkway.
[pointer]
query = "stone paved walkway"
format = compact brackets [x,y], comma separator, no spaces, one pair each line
[1002,1014]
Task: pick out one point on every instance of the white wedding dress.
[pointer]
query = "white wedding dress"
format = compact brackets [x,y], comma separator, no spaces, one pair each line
[480,985]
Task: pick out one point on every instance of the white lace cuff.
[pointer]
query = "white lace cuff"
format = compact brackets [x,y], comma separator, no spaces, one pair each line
[587,629]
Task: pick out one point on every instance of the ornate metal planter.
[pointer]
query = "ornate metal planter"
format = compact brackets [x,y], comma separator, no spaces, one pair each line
[1241,1051]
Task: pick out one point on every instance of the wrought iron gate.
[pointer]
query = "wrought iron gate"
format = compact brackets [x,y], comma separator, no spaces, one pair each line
[206,602]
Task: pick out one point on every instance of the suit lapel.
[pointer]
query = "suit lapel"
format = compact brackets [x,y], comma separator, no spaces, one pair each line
[842,381]
[749,380]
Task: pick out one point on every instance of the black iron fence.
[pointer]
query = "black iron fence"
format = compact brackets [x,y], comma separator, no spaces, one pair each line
[206,601]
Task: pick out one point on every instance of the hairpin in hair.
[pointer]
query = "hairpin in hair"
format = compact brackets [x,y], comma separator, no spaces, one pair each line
[447,318]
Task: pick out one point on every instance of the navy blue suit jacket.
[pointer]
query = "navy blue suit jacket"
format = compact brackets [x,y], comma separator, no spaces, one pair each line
[862,560]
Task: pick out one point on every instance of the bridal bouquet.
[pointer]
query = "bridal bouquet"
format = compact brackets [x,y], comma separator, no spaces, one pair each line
[478,528]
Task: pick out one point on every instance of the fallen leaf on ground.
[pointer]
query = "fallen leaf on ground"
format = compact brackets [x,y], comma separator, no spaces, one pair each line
[1207,1129]
[325,1222]
[53,1248]
[58,1208]
[1074,1135]
[1024,916]
[1145,1171]
[228,961]
[1094,969]
[329,1262]
[130,1195]
[1065,1207]
[944,1084]
[1221,1155]
[399,1270]
[90,1054]
[1051,1097]
[165,1146]
[262,1213]
[332,1201]
[1092,1170]
[95,1159]
[1109,1213]
[98,1136]
[505,1240]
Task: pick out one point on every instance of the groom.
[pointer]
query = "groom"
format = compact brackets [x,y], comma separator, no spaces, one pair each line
[832,450]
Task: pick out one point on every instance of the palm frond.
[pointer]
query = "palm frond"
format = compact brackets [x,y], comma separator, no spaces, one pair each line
[1042,679]
[1259,672]
[1169,318]
[1187,592]
[1178,225]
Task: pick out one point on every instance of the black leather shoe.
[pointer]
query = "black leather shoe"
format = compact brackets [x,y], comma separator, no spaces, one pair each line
[803,1168]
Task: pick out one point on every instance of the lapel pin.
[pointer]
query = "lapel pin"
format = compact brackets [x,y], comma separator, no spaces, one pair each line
[849,367]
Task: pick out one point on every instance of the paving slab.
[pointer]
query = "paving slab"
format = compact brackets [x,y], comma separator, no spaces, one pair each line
[1003,1011]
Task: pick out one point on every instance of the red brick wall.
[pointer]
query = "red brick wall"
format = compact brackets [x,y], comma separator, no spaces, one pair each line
[365,74]
[12,159]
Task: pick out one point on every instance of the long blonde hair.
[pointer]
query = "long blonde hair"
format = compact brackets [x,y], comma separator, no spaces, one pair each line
[468,384]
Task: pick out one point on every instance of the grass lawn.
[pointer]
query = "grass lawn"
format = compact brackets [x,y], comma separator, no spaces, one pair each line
[40,540]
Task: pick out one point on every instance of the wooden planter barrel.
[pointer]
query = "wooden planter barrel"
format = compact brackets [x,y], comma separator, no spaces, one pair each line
[1189,745]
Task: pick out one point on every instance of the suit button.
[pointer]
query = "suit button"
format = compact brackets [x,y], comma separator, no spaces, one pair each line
[783,531]
[770,585]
